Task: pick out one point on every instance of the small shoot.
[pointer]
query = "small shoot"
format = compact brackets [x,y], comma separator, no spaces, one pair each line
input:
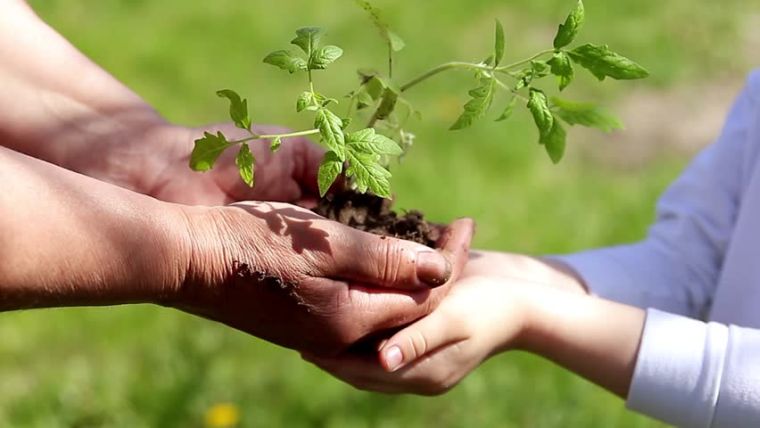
[362,154]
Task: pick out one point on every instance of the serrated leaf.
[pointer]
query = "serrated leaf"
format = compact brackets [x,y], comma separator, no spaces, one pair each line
[286,61]
[307,39]
[508,110]
[476,108]
[562,67]
[244,161]
[238,108]
[498,51]
[585,114]
[567,31]
[539,109]
[329,170]
[276,143]
[322,57]
[305,100]
[603,62]
[370,142]
[331,130]
[368,174]
[554,141]
[207,150]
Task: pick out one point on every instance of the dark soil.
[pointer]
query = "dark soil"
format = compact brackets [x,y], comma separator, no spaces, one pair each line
[373,214]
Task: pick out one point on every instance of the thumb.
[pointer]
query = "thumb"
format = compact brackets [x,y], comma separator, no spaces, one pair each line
[424,336]
[397,263]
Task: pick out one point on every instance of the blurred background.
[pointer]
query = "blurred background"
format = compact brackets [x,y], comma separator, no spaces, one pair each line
[153,367]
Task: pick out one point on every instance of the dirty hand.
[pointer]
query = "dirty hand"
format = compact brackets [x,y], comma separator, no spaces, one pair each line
[291,277]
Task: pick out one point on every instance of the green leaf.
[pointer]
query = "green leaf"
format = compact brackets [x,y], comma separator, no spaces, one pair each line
[562,67]
[396,42]
[526,76]
[554,141]
[331,130]
[324,56]
[387,103]
[305,100]
[238,108]
[586,114]
[329,170]
[567,31]
[539,69]
[392,39]
[375,87]
[367,141]
[482,97]
[286,61]
[307,39]
[602,62]
[498,52]
[323,101]
[207,150]
[539,109]
[368,174]
[244,161]
[507,110]
[363,99]
[276,143]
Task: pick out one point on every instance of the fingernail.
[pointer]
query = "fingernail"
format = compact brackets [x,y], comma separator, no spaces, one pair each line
[393,358]
[432,268]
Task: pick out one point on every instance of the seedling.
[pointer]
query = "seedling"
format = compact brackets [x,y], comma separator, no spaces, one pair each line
[363,153]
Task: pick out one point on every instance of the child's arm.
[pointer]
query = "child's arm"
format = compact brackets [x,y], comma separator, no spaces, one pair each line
[669,367]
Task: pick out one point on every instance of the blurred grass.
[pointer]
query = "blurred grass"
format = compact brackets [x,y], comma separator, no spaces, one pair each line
[145,366]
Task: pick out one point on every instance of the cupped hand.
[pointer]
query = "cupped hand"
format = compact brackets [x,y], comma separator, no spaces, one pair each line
[294,278]
[483,313]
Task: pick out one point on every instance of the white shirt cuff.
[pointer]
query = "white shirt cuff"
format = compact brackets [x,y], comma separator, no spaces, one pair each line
[679,368]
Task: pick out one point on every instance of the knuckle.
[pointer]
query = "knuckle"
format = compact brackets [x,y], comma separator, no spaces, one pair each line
[418,344]
[393,259]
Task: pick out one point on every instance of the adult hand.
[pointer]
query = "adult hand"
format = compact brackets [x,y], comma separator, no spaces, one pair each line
[154,159]
[291,277]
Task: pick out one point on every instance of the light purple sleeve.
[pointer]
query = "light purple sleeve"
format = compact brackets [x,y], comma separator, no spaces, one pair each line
[676,267]
[693,374]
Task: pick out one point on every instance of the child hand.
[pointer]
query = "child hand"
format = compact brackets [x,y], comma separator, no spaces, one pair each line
[482,315]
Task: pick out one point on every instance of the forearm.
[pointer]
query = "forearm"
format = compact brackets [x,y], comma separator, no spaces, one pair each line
[595,338]
[59,106]
[67,240]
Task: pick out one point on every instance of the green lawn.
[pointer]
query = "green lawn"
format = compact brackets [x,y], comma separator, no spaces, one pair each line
[146,366]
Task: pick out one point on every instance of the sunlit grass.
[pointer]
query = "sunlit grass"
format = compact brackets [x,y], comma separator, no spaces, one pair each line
[146,366]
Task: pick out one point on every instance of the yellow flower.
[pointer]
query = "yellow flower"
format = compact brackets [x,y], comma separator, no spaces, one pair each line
[222,415]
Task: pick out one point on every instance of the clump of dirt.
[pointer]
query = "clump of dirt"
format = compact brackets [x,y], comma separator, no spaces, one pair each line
[373,214]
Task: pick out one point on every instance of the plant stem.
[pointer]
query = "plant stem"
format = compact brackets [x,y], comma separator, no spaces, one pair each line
[390,61]
[524,61]
[443,67]
[508,89]
[273,136]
